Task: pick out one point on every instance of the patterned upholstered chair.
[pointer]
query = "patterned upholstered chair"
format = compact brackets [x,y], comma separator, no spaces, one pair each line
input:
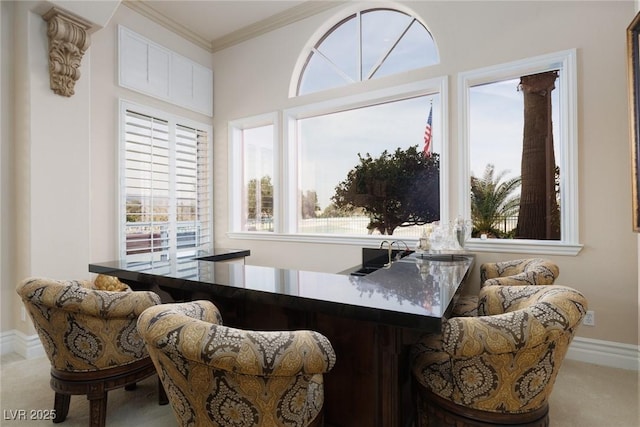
[90,338]
[518,272]
[498,368]
[221,376]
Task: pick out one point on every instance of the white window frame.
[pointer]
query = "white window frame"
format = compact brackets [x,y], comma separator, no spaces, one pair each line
[172,120]
[568,151]
[236,169]
[286,202]
[357,9]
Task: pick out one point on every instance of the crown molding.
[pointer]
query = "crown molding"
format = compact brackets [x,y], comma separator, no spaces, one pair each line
[144,9]
[274,22]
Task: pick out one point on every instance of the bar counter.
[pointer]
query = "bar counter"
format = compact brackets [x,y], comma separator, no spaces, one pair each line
[371,320]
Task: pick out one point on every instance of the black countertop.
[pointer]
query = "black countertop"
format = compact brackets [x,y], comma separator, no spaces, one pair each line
[413,292]
[222,254]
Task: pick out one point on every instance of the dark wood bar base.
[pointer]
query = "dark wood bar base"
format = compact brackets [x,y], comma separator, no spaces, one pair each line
[371,321]
[370,384]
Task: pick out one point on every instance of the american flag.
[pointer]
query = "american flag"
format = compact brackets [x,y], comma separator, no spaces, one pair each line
[427,134]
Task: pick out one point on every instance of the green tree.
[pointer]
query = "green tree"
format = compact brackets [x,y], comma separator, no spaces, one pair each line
[492,201]
[260,203]
[139,211]
[134,210]
[394,190]
[309,204]
[332,211]
[186,211]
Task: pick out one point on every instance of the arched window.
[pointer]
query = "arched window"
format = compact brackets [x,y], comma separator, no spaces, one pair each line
[306,168]
[328,167]
[366,45]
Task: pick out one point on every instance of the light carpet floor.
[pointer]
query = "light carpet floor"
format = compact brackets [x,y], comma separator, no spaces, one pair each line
[585,395]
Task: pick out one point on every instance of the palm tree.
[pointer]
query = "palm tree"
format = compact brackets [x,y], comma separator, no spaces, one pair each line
[492,201]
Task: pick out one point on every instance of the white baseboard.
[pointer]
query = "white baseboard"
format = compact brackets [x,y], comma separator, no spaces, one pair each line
[606,353]
[598,352]
[27,346]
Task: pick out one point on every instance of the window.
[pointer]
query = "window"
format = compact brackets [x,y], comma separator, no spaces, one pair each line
[166,191]
[332,146]
[253,173]
[322,143]
[368,44]
[301,180]
[519,159]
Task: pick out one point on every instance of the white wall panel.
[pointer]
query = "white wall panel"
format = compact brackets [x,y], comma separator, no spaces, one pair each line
[149,68]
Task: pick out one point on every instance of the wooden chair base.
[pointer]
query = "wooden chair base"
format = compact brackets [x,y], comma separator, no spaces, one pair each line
[318,421]
[95,385]
[434,411]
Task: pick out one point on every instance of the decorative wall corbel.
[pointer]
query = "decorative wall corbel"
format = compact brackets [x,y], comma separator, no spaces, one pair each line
[68,40]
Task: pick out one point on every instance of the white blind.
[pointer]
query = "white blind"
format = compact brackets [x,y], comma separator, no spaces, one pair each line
[166,188]
[192,190]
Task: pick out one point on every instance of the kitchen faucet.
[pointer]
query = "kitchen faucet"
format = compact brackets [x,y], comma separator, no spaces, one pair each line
[389,246]
[397,242]
[390,250]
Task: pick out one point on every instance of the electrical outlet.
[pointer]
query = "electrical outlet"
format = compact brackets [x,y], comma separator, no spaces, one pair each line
[23,314]
[589,318]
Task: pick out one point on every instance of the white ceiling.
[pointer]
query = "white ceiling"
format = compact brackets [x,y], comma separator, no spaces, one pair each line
[214,19]
[214,23]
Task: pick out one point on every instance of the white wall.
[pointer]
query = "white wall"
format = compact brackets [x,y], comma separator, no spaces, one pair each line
[471,35]
[104,119]
[63,190]
[637,8]
[48,202]
[59,196]
[6,150]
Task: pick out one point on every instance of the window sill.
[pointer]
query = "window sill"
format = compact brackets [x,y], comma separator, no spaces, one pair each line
[319,238]
[474,245]
[541,247]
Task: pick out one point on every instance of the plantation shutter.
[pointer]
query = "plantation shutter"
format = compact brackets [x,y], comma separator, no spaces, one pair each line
[166,190]
[192,191]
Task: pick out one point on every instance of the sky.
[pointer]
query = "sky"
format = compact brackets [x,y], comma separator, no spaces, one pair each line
[495,128]
[329,144]
[496,121]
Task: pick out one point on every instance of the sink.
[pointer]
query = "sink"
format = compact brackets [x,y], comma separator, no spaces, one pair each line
[364,271]
[374,259]
[379,257]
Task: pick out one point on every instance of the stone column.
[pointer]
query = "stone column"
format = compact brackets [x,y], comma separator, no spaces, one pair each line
[539,216]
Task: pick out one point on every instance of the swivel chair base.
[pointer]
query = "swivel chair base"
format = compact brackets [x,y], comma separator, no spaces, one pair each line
[434,411]
[96,384]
